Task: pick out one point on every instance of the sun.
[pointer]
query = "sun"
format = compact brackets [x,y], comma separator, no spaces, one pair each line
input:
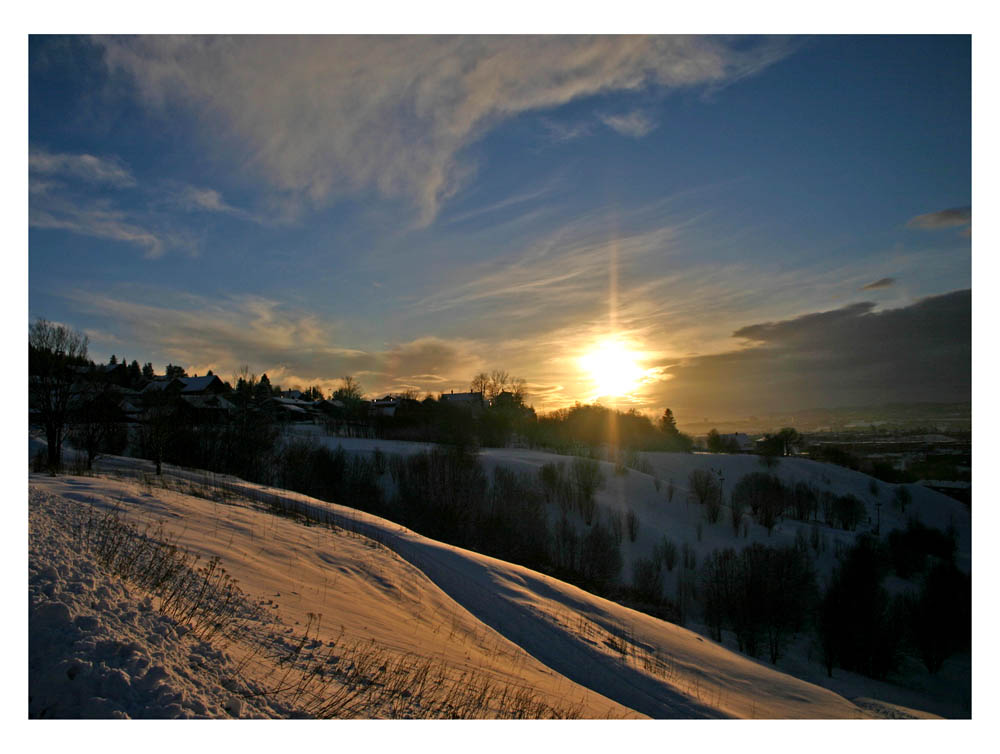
[612,367]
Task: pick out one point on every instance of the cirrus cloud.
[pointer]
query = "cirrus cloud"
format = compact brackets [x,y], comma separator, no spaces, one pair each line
[107,171]
[322,117]
[946,218]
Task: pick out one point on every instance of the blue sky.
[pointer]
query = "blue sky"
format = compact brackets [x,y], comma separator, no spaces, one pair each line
[414,210]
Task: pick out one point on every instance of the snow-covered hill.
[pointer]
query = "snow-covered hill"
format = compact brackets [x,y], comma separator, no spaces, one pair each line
[380,586]
[683,520]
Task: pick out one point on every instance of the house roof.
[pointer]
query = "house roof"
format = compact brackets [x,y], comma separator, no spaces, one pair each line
[197,384]
[208,401]
[468,397]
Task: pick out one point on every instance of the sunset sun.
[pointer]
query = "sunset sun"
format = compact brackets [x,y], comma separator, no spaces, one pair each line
[612,368]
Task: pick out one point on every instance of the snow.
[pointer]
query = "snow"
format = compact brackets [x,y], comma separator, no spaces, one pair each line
[375,581]
[97,649]
[680,518]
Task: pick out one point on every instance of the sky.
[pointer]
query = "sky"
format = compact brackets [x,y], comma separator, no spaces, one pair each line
[742,224]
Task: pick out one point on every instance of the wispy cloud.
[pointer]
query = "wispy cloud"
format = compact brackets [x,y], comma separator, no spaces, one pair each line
[69,192]
[635,124]
[560,131]
[880,283]
[947,218]
[206,199]
[510,201]
[97,222]
[288,344]
[328,116]
[108,171]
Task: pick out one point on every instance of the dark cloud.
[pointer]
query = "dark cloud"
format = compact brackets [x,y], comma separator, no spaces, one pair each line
[880,283]
[431,356]
[947,218]
[849,356]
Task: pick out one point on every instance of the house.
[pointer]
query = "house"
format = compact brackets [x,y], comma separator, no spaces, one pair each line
[208,385]
[383,406]
[291,410]
[470,401]
[739,441]
[208,407]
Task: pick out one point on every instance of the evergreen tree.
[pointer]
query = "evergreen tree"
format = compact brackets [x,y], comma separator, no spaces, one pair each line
[667,423]
[263,389]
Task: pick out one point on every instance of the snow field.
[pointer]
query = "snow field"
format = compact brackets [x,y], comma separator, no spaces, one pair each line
[339,597]
[563,641]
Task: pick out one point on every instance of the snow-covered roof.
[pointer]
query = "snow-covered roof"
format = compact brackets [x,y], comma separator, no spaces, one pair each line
[462,397]
[208,401]
[292,402]
[197,384]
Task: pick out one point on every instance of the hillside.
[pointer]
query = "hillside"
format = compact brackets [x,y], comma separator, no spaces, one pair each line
[379,585]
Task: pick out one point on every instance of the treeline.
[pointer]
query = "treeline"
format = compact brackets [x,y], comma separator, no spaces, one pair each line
[863,628]
[493,414]
[438,420]
[594,426]
[446,494]
[766,499]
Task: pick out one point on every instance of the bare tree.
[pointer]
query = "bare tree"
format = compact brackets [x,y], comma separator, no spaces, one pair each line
[350,389]
[480,383]
[499,381]
[707,490]
[52,352]
[96,422]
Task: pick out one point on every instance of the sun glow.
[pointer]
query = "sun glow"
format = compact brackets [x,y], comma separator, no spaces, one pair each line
[613,368]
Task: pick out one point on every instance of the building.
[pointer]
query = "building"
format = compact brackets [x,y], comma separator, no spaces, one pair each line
[472,401]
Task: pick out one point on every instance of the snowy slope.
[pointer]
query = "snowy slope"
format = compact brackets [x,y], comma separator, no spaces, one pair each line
[425,598]
[680,518]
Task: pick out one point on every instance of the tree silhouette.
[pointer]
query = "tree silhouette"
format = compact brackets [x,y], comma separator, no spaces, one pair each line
[53,351]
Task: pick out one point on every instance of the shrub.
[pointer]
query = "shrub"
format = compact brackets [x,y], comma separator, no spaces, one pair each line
[941,617]
[379,462]
[666,551]
[736,508]
[769,461]
[848,511]
[910,548]
[718,585]
[803,501]
[763,594]
[565,545]
[901,498]
[704,486]
[632,522]
[689,558]
[600,558]
[859,627]
[587,480]
[764,495]
[615,524]
[647,579]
